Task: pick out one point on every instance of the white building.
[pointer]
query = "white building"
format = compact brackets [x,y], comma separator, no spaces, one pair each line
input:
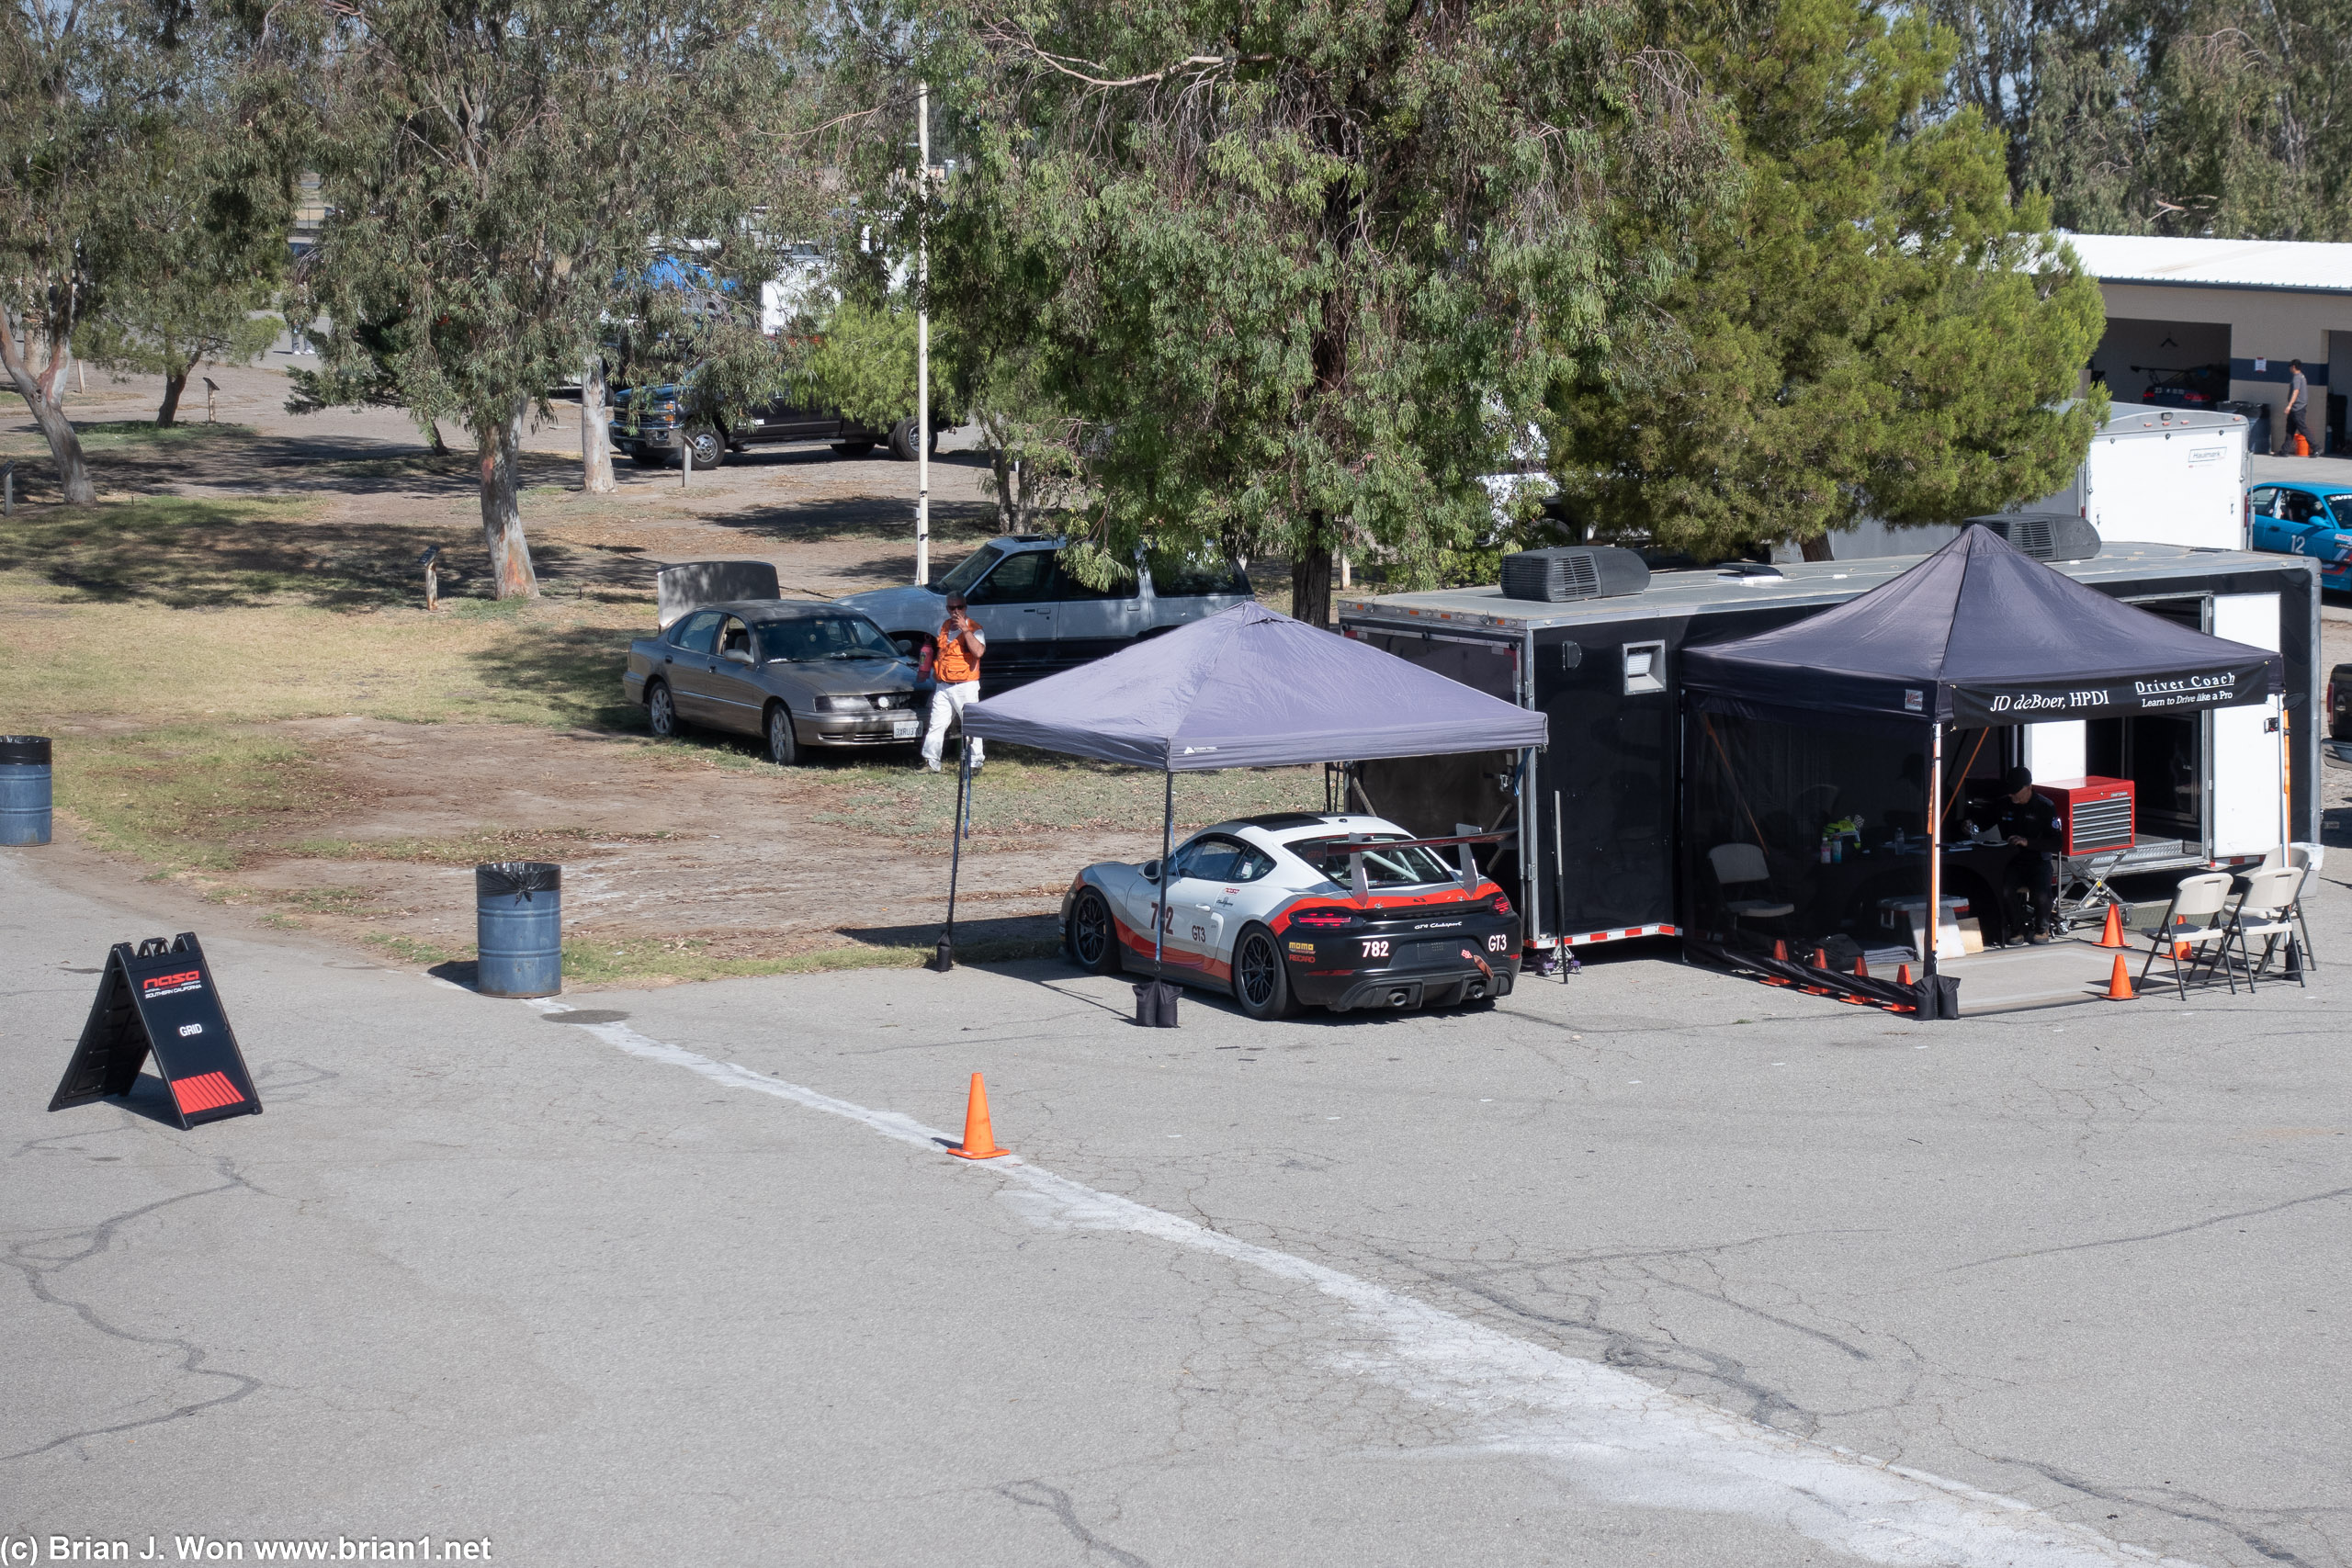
[2248,305]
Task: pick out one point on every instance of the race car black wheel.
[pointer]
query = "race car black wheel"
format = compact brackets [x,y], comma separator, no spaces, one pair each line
[661,712]
[1093,937]
[1259,983]
[783,748]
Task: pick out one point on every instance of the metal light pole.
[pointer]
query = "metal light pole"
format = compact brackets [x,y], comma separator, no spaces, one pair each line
[923,338]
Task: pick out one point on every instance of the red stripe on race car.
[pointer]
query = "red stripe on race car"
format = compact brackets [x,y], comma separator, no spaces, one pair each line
[1280,919]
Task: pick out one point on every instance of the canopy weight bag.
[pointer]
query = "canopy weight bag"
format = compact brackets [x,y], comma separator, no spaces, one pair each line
[1156,1004]
[24,789]
[159,998]
[518,929]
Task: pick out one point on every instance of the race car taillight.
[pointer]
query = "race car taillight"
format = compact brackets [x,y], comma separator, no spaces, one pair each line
[1502,905]
[1325,918]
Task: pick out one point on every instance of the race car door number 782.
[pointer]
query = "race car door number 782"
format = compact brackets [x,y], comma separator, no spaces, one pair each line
[1376,947]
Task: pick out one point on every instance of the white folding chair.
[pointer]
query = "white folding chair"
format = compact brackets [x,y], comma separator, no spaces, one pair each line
[1742,865]
[2198,917]
[2264,910]
[2308,858]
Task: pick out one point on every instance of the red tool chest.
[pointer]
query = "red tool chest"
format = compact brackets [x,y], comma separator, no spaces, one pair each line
[2097,812]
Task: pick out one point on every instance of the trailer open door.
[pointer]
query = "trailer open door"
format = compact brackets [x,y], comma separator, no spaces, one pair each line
[2247,749]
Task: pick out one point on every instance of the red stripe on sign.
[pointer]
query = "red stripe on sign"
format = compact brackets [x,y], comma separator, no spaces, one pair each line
[209,1092]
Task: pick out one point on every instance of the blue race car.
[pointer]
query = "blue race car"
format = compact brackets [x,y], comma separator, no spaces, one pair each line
[2296,517]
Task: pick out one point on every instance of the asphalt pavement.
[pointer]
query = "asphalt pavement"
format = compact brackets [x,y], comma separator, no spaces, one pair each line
[1653,1266]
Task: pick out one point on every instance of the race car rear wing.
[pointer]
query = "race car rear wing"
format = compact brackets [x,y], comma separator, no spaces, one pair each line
[1360,886]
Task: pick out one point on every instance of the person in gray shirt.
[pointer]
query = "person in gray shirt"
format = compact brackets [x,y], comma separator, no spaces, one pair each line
[2298,403]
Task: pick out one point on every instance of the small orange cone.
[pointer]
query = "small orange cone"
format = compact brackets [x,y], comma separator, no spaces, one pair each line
[1903,975]
[980,1139]
[1821,958]
[2113,935]
[1861,968]
[1780,951]
[2119,985]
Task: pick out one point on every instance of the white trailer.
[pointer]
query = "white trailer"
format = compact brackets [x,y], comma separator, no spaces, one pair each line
[2160,475]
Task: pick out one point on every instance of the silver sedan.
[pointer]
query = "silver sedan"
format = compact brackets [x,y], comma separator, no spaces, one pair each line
[795,674]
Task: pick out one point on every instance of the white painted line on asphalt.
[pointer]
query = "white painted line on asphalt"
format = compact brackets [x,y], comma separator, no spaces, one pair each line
[1612,1433]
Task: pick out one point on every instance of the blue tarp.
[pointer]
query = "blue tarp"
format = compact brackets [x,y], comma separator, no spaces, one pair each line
[1977,634]
[1251,688]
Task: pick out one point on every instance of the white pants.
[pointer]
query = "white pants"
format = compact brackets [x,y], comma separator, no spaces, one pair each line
[945,702]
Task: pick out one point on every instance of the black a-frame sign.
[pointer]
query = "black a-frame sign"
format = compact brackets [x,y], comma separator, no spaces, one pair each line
[159,998]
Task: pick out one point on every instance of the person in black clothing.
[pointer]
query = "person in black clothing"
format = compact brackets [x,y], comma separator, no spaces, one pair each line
[2033,827]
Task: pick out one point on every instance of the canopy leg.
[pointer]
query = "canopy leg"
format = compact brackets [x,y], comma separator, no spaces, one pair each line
[945,958]
[1167,847]
[1156,998]
[1935,866]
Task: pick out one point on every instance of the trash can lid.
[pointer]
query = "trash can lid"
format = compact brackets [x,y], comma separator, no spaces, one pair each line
[25,749]
[501,878]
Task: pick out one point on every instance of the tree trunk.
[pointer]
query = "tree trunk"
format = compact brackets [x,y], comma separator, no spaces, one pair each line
[43,395]
[595,439]
[173,386]
[501,513]
[1310,575]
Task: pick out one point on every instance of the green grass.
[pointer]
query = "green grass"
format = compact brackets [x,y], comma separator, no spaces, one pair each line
[117,434]
[188,797]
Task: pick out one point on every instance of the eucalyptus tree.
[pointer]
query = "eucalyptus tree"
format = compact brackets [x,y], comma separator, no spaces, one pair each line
[500,172]
[1301,273]
[122,132]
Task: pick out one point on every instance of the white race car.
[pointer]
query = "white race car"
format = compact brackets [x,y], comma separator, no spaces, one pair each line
[1337,911]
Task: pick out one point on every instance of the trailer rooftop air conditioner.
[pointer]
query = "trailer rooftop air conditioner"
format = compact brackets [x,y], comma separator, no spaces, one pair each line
[2046,536]
[1574,571]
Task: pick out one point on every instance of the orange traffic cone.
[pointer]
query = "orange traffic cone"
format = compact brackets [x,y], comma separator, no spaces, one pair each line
[1821,958]
[2113,935]
[2118,984]
[1861,968]
[980,1139]
[1779,950]
[1903,975]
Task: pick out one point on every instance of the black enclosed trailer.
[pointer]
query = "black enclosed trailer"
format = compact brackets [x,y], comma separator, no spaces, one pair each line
[1596,857]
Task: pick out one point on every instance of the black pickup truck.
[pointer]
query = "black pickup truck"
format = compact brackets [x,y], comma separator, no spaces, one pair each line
[651,425]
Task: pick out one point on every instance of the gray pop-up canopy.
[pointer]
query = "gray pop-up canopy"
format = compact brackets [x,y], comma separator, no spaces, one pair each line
[1246,688]
[1251,688]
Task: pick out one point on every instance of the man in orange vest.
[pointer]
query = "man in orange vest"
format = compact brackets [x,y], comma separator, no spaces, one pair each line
[955,667]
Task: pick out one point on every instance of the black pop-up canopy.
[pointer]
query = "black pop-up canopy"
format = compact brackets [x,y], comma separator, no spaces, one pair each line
[1977,634]
[1246,688]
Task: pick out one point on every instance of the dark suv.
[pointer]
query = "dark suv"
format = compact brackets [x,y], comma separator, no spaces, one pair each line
[658,428]
[1040,620]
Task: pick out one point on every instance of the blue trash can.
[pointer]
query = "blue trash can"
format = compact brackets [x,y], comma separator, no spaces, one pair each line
[518,929]
[24,789]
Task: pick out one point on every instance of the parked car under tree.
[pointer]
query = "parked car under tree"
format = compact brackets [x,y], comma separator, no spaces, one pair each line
[654,425]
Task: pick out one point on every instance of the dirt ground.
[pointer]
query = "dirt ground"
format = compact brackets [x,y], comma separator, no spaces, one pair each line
[681,861]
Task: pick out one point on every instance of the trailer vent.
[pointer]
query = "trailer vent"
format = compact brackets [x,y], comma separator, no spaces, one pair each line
[1574,571]
[2046,536]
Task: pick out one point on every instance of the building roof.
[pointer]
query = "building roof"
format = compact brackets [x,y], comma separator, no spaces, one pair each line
[2295,264]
